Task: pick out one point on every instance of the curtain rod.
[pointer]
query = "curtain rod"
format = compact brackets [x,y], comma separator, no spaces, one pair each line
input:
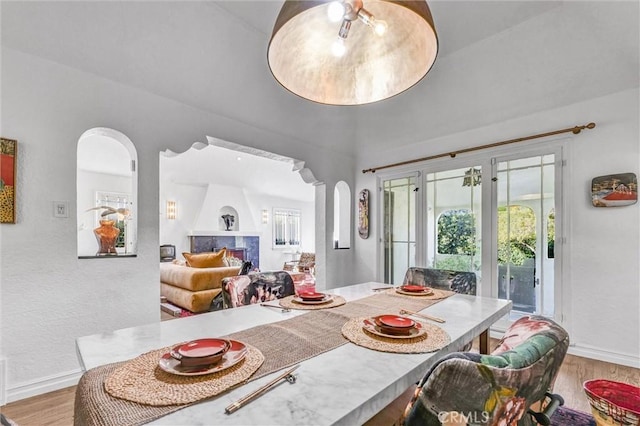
[575,130]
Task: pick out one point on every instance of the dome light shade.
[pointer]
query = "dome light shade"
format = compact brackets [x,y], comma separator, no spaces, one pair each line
[374,66]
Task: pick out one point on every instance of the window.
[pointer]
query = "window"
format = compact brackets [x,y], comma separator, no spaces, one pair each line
[286,228]
[457,232]
[453,219]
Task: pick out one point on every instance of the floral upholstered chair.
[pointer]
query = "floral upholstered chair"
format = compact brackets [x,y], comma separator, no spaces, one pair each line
[460,282]
[256,287]
[495,389]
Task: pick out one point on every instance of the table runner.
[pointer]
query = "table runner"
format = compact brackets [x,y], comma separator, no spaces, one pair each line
[283,344]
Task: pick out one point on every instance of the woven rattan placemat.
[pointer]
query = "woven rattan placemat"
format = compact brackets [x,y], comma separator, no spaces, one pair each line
[282,344]
[141,380]
[435,339]
[289,302]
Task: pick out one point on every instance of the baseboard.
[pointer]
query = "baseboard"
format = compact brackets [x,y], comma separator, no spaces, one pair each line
[592,352]
[43,385]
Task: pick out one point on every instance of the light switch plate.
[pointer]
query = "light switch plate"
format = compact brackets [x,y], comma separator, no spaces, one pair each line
[60,209]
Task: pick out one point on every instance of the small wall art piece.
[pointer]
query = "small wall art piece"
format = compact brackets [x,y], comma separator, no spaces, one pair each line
[614,190]
[363,214]
[8,148]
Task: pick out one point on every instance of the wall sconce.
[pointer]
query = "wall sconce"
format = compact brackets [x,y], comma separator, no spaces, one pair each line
[171,210]
[265,216]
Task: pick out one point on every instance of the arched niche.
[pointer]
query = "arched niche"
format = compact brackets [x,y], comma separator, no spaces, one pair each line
[106,181]
[341,216]
[228,213]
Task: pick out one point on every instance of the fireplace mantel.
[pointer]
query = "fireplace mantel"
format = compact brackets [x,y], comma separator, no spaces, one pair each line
[224,234]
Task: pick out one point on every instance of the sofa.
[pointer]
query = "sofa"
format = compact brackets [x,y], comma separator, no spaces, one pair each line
[193,287]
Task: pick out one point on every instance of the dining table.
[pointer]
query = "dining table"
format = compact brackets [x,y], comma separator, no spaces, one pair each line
[343,385]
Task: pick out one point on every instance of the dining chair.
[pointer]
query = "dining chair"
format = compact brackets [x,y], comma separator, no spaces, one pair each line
[256,287]
[306,263]
[444,279]
[507,387]
[460,282]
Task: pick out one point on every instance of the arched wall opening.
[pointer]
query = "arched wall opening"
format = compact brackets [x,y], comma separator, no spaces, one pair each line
[106,189]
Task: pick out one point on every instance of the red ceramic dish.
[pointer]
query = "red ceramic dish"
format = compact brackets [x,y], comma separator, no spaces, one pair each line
[395,321]
[236,353]
[200,352]
[203,348]
[311,295]
[413,288]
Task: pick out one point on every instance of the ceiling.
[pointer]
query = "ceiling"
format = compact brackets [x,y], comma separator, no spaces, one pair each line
[204,164]
[498,60]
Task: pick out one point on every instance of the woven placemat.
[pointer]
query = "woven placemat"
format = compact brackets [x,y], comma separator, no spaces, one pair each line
[288,302]
[142,380]
[436,295]
[435,339]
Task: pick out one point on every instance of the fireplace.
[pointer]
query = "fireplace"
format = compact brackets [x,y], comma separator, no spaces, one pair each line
[244,246]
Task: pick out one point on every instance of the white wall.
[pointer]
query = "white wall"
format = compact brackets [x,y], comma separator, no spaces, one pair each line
[273,259]
[601,289]
[48,296]
[188,200]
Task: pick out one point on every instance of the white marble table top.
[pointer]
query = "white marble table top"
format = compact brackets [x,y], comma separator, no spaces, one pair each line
[345,386]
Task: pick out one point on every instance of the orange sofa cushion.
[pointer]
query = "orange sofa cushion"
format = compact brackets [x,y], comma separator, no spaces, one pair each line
[206,260]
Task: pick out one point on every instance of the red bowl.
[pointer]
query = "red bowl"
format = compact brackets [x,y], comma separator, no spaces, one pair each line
[395,321]
[201,352]
[413,288]
[311,295]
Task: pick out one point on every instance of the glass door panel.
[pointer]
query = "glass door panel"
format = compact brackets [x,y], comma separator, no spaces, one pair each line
[453,219]
[399,221]
[526,231]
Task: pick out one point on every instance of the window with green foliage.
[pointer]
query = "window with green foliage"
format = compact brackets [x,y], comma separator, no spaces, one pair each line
[457,232]
[551,233]
[516,234]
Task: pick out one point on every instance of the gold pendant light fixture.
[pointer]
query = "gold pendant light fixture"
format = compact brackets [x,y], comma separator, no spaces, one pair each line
[347,52]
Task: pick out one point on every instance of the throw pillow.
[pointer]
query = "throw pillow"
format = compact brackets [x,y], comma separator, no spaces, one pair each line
[206,260]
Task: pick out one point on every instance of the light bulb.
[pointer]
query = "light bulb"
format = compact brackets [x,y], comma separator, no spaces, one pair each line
[380,27]
[338,48]
[335,11]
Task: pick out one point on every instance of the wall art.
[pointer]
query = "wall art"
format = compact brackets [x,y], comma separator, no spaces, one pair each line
[8,148]
[363,214]
[614,190]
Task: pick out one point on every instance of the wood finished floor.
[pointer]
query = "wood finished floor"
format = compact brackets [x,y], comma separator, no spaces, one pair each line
[56,408]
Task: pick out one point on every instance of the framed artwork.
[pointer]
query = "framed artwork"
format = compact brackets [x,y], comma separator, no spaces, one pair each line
[363,214]
[8,149]
[614,190]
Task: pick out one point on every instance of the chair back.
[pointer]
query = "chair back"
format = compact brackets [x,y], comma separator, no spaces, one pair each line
[256,287]
[493,389]
[460,282]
